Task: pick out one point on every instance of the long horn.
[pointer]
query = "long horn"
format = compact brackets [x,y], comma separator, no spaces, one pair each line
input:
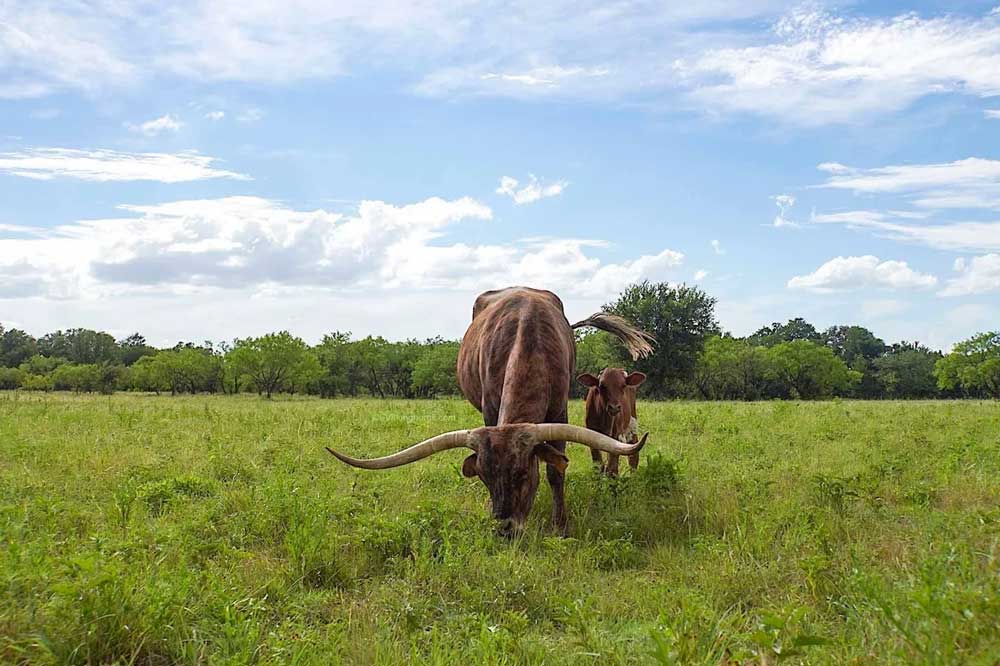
[449,440]
[592,438]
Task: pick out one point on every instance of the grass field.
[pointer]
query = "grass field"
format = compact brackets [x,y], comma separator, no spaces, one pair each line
[158,530]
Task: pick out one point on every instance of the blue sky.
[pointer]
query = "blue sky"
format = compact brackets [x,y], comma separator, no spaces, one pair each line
[220,169]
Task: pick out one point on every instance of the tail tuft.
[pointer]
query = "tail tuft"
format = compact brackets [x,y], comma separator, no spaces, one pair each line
[639,343]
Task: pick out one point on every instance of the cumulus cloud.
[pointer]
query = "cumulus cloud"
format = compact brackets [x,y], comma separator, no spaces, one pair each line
[157,126]
[822,68]
[867,272]
[784,202]
[969,183]
[717,247]
[976,276]
[250,242]
[110,165]
[215,115]
[531,191]
[700,275]
[993,114]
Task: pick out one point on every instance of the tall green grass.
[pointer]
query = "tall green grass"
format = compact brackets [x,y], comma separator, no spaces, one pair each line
[216,530]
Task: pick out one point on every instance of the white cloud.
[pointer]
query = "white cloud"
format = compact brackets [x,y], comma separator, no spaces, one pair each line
[717,247]
[993,114]
[109,165]
[215,115]
[784,202]
[822,68]
[977,276]
[157,126]
[969,183]
[531,191]
[974,236]
[867,272]
[700,275]
[47,47]
[252,243]
[811,68]
[588,48]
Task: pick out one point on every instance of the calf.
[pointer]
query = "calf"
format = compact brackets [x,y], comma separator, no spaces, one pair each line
[611,411]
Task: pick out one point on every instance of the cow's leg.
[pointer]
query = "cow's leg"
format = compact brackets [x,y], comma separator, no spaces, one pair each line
[598,459]
[612,469]
[557,481]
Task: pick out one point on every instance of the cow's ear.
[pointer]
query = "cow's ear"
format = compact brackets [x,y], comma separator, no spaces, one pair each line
[635,379]
[547,453]
[587,379]
[469,467]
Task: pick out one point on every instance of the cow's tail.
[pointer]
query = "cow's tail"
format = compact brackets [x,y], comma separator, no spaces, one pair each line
[638,343]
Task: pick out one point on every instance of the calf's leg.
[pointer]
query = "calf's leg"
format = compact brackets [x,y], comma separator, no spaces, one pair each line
[612,469]
[598,459]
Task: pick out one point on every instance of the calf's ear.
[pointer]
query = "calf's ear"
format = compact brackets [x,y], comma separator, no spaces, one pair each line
[587,379]
[635,379]
[469,467]
[547,453]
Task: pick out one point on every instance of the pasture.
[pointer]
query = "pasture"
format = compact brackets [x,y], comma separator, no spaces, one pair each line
[216,530]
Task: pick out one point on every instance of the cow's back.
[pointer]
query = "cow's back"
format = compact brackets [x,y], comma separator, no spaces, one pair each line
[516,357]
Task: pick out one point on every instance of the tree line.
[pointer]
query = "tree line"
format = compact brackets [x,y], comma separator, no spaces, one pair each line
[693,358]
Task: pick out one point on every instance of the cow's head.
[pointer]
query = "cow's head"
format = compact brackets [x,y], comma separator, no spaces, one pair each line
[610,385]
[505,458]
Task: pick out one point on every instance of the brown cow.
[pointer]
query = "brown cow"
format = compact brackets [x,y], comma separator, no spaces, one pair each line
[515,365]
[610,410]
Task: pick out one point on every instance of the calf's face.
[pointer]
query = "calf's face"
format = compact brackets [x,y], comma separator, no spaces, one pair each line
[610,385]
[506,460]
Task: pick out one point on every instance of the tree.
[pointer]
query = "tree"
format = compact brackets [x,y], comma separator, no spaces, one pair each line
[776,333]
[340,365]
[186,368]
[973,366]
[434,372]
[680,319]
[134,347]
[10,378]
[16,347]
[147,374]
[274,362]
[852,343]
[36,383]
[810,370]
[732,369]
[41,365]
[907,371]
[80,345]
[82,378]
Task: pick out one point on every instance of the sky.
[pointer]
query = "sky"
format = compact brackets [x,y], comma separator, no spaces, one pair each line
[208,170]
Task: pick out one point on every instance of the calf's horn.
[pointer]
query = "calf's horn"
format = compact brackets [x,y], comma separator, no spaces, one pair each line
[449,440]
[592,438]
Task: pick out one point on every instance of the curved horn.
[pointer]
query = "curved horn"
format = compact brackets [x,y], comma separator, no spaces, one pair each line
[592,438]
[449,440]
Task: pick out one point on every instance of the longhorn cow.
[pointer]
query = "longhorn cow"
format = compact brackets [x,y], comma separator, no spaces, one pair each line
[515,365]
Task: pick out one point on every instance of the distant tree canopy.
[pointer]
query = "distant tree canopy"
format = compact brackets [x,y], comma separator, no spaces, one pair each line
[692,359]
[973,366]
